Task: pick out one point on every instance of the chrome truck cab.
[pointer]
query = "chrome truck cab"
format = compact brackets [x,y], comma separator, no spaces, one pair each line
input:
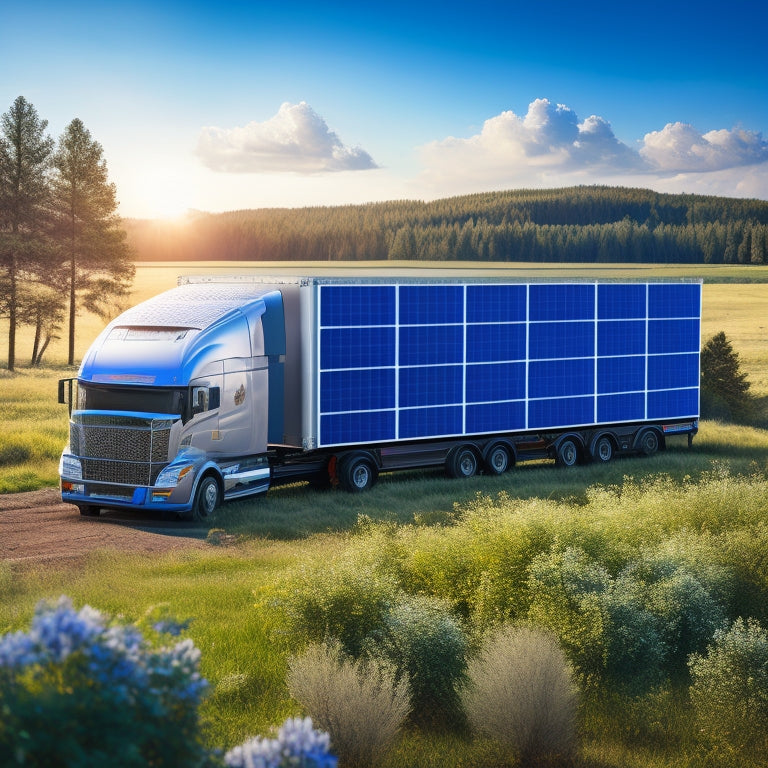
[175,403]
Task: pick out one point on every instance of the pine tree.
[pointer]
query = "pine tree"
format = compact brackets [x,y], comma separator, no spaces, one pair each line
[724,387]
[25,153]
[97,256]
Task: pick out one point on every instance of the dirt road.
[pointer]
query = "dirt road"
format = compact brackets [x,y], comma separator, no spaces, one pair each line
[37,526]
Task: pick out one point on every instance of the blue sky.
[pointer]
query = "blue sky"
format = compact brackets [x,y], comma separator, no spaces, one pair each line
[248,104]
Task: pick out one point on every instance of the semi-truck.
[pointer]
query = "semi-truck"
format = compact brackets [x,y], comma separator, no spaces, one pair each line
[225,386]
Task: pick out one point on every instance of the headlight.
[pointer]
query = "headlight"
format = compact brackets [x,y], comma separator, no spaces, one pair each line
[172,475]
[70,467]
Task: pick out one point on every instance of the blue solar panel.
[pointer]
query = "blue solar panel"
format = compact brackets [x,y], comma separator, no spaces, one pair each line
[357,305]
[433,360]
[572,301]
[345,428]
[357,390]
[495,417]
[496,303]
[431,344]
[562,412]
[430,422]
[620,374]
[673,371]
[674,300]
[619,301]
[496,343]
[621,337]
[433,385]
[673,404]
[495,382]
[625,407]
[548,340]
[431,304]
[560,378]
[356,347]
[669,336]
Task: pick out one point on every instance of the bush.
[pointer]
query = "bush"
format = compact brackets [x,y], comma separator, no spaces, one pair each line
[339,601]
[521,693]
[729,689]
[79,690]
[297,744]
[360,703]
[426,645]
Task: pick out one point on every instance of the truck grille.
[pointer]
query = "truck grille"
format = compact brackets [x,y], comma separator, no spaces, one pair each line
[122,449]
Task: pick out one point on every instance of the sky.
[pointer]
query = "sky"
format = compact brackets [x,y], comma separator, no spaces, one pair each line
[241,105]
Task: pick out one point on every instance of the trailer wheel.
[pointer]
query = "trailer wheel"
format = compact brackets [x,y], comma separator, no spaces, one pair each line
[602,450]
[207,500]
[568,453]
[648,442]
[498,460]
[462,462]
[357,473]
[88,510]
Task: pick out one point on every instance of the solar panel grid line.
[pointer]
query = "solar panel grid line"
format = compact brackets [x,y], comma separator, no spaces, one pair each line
[596,350]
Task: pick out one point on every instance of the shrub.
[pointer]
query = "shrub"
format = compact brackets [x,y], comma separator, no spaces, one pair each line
[359,703]
[520,692]
[729,688]
[339,601]
[297,744]
[426,645]
[79,690]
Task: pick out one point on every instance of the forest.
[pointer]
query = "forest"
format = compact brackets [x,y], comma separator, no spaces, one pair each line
[586,224]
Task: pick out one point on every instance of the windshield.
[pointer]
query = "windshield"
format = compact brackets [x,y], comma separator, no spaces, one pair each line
[98,397]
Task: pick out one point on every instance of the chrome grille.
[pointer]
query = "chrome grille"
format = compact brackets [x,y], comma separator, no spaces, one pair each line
[122,449]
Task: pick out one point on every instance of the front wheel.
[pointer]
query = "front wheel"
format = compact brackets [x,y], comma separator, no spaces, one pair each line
[88,510]
[207,500]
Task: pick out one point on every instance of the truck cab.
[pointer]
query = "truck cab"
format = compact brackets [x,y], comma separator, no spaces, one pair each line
[173,404]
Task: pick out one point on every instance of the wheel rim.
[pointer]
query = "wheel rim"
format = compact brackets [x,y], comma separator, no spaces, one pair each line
[604,449]
[568,453]
[650,442]
[360,476]
[209,498]
[467,463]
[499,460]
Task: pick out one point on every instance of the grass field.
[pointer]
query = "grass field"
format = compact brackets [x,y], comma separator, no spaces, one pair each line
[437,537]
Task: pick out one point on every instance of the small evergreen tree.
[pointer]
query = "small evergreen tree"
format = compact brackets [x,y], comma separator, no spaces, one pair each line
[724,386]
[97,256]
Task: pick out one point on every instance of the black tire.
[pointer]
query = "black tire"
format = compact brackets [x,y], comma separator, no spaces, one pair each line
[603,449]
[648,442]
[88,510]
[568,453]
[207,499]
[357,473]
[498,459]
[462,462]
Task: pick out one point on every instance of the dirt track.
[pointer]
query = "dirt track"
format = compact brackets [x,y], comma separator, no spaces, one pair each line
[37,526]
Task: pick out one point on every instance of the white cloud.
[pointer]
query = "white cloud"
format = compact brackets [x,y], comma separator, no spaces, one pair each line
[549,146]
[296,140]
[680,147]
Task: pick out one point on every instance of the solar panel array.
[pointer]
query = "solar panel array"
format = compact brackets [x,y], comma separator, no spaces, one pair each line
[409,361]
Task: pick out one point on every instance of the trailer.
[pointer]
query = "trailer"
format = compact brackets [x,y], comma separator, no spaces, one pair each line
[226,386]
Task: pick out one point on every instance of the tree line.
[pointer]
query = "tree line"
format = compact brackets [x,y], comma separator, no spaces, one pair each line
[62,246]
[571,225]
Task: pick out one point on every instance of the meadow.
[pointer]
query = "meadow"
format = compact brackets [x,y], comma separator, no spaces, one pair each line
[481,547]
